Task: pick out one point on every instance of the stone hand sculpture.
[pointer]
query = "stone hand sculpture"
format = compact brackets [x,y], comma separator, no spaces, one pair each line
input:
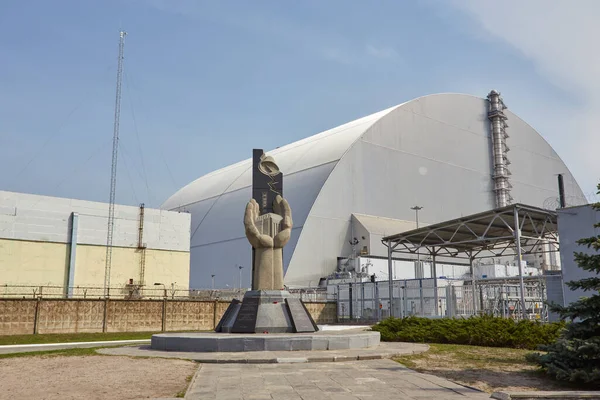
[268,234]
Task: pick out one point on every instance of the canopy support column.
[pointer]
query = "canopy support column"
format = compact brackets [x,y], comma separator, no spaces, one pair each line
[390,278]
[472,272]
[435,284]
[519,262]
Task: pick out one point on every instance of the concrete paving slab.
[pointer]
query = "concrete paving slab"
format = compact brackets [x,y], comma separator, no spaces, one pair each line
[353,380]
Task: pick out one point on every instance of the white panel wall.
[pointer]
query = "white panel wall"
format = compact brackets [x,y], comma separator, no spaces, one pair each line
[434,152]
[218,241]
[43,218]
[573,224]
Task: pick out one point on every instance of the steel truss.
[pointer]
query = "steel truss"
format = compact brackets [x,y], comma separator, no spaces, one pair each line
[516,229]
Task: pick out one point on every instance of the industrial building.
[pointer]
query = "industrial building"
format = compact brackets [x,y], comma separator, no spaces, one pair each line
[350,186]
[59,244]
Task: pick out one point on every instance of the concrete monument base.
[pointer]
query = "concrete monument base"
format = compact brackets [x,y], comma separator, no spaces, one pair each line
[224,342]
[267,311]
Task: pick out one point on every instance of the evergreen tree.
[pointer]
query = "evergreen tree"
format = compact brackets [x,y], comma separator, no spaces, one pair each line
[575,356]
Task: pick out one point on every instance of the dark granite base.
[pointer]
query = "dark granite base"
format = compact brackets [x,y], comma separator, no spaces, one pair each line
[223,342]
[267,311]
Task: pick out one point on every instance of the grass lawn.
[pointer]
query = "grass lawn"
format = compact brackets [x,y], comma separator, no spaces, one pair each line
[486,368]
[72,337]
[64,353]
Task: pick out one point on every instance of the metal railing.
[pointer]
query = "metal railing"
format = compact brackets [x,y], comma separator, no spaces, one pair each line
[137,292]
[130,292]
[370,302]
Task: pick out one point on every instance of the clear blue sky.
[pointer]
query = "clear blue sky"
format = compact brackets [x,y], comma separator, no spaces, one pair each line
[206,81]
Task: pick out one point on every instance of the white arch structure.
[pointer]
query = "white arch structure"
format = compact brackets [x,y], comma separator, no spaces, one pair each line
[434,151]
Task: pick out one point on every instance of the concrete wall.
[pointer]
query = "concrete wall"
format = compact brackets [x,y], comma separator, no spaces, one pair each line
[33,263]
[161,266]
[575,223]
[36,235]
[27,316]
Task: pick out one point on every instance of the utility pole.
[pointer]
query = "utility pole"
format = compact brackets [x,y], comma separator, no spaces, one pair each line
[113,170]
[213,280]
[240,267]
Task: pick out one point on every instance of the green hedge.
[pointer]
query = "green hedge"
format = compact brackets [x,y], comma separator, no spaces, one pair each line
[476,331]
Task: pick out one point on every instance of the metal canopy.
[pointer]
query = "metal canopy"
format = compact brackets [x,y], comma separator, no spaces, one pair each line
[487,234]
[493,233]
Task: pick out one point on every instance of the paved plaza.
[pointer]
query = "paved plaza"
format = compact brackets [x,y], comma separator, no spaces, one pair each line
[352,380]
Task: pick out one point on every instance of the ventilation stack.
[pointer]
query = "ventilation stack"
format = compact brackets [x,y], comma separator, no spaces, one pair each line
[500,173]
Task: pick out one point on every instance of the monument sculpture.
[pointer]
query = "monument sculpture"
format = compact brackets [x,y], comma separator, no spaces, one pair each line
[268,307]
[268,234]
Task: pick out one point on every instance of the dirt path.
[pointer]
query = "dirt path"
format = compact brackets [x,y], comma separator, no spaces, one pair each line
[92,377]
[486,368]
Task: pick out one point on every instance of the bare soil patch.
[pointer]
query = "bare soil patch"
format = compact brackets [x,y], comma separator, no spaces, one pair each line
[489,369]
[92,377]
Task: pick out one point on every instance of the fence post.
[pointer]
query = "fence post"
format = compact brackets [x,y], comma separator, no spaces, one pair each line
[449,302]
[482,305]
[164,315]
[406,312]
[105,315]
[338,304]
[474,290]
[36,315]
[351,300]
[215,306]
[377,301]
[421,299]
[401,294]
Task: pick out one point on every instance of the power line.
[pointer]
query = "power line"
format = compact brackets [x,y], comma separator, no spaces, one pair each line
[127,153]
[132,88]
[135,198]
[56,134]
[69,176]
[137,135]
[168,170]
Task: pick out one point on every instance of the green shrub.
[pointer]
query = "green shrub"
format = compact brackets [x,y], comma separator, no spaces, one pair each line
[476,331]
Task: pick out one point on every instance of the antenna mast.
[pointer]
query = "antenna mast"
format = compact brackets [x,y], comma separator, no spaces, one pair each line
[113,170]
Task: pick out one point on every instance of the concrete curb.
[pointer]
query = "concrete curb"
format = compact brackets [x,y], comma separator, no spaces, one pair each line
[566,395]
[28,348]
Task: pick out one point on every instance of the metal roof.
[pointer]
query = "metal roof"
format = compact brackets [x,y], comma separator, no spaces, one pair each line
[490,233]
[382,225]
[322,148]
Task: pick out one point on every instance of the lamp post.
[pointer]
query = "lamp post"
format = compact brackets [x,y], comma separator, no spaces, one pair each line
[416,209]
[164,288]
[240,267]
[212,277]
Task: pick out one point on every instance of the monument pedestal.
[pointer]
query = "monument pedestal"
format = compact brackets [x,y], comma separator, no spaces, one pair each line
[267,311]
